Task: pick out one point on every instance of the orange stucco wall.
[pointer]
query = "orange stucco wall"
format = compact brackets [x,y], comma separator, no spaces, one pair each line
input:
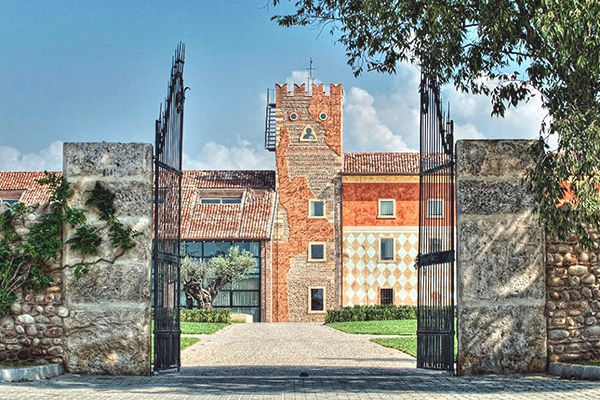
[360,202]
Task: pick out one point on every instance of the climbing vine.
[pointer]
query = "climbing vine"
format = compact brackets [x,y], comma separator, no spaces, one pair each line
[26,259]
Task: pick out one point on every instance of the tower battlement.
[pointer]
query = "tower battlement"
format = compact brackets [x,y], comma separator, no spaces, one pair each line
[335,90]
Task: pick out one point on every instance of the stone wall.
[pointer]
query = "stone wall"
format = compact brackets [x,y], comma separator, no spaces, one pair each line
[108,327]
[573,300]
[34,330]
[501,290]
[307,170]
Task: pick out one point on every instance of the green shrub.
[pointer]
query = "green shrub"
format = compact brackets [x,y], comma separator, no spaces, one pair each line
[371,313]
[222,315]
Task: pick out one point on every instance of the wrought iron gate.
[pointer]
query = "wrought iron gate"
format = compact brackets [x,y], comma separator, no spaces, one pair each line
[435,262]
[167,219]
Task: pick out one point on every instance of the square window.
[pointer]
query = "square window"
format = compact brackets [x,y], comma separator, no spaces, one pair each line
[435,208]
[316,208]
[316,301]
[386,297]
[316,252]
[386,249]
[387,208]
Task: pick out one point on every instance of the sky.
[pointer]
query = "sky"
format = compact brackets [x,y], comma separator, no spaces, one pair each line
[98,71]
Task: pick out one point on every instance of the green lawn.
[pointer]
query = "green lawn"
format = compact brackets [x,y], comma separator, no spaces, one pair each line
[404,327]
[390,327]
[188,341]
[201,328]
[406,345]
[198,328]
[595,363]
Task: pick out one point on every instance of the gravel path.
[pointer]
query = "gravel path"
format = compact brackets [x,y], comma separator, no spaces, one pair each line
[289,349]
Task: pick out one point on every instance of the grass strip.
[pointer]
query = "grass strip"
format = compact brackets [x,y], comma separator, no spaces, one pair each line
[406,345]
[406,327]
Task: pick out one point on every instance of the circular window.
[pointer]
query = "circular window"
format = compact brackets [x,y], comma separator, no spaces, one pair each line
[293,116]
[323,116]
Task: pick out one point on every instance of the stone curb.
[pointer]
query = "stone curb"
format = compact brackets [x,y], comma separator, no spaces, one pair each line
[565,370]
[28,374]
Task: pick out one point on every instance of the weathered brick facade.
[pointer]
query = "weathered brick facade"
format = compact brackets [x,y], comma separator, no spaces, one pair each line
[307,170]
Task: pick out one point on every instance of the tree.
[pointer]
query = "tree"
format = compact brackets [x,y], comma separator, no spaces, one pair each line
[202,281]
[509,50]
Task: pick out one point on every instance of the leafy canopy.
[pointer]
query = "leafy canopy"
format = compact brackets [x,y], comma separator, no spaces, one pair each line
[202,281]
[509,50]
[27,258]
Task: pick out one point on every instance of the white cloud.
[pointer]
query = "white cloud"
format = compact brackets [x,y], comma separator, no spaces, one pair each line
[300,77]
[363,127]
[49,159]
[242,155]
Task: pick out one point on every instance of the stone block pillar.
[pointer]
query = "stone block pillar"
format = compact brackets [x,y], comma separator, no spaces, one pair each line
[108,328]
[500,262]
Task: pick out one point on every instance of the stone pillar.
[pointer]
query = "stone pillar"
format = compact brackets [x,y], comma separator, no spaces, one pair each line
[500,262]
[108,328]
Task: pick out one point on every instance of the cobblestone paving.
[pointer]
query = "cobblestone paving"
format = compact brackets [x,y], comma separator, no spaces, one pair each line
[171,387]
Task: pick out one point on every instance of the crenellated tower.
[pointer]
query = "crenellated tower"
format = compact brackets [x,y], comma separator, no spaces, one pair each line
[306,254]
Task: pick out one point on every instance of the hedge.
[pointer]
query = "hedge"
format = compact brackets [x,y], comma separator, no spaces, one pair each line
[371,313]
[206,315]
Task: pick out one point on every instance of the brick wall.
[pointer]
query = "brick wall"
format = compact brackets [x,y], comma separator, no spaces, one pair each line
[306,170]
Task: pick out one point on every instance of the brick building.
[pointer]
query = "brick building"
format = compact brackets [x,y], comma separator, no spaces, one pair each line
[328,229]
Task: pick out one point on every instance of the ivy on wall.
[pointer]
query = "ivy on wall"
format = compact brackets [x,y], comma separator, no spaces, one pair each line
[26,260]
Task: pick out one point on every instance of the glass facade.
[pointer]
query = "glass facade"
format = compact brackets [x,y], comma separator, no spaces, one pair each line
[244,296]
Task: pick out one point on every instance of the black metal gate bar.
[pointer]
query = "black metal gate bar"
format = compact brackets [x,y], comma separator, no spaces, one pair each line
[167,220]
[435,262]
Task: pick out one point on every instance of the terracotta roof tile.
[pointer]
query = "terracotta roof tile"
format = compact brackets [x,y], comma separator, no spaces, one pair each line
[381,163]
[27,181]
[252,219]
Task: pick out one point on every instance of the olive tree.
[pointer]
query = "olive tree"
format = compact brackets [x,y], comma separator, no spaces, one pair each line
[202,281]
[509,50]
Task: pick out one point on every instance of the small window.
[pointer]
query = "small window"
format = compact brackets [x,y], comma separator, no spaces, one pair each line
[316,208]
[435,208]
[231,200]
[224,200]
[435,245]
[323,116]
[387,208]
[309,134]
[386,297]
[210,201]
[10,196]
[316,252]
[293,116]
[9,201]
[316,300]
[386,249]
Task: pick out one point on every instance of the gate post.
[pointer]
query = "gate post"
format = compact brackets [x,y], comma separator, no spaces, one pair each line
[108,328]
[500,262]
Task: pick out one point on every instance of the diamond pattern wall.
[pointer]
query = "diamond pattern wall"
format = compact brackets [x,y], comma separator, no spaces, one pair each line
[365,274]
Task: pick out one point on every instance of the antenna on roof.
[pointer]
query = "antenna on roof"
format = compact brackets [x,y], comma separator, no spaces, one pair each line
[310,70]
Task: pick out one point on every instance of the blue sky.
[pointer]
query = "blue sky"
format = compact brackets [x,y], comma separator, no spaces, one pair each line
[97,71]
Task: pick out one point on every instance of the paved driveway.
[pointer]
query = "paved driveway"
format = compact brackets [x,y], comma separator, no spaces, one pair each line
[288,349]
[366,388]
